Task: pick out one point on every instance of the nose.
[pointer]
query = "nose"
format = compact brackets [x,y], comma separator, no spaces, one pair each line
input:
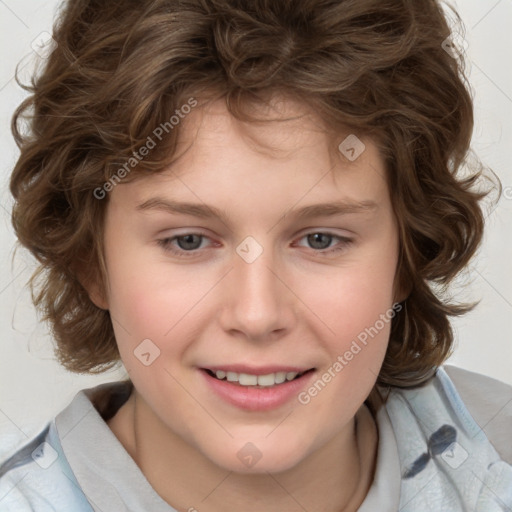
[257,302]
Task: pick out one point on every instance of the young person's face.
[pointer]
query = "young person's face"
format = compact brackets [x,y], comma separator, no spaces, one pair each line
[255,292]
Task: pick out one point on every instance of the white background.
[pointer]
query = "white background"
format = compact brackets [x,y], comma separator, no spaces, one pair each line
[33,388]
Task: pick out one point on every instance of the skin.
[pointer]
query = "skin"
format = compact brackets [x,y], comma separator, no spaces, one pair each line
[296,304]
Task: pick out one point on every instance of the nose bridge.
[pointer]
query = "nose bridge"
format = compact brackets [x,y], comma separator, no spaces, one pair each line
[258,303]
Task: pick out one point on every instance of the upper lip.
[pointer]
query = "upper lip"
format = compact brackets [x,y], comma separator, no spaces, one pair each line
[260,370]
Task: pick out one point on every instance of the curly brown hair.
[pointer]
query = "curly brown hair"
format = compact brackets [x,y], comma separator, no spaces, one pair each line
[120,69]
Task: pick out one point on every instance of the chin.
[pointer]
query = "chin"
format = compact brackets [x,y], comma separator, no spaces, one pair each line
[258,457]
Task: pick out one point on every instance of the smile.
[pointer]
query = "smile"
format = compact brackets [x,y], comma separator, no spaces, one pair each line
[247,379]
[261,389]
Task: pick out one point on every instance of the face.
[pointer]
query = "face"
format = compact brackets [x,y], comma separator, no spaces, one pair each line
[260,282]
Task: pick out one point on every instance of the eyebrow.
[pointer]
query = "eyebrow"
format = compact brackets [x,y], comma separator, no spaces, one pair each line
[208,211]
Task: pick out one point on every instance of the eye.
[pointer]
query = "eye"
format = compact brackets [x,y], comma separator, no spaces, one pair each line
[187,243]
[321,241]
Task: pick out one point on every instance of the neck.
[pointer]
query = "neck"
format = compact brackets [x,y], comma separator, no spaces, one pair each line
[336,477]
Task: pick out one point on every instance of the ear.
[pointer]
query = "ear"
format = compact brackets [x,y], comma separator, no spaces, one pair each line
[97,297]
[403,282]
[402,294]
[401,290]
[94,288]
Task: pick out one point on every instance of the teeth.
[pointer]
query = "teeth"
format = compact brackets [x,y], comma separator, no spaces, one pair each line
[280,377]
[266,380]
[246,379]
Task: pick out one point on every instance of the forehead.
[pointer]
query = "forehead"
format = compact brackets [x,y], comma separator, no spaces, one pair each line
[290,150]
[285,128]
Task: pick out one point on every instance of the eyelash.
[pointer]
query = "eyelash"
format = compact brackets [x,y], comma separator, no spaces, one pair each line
[165,243]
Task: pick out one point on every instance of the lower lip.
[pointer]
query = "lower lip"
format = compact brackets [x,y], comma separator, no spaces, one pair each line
[257,399]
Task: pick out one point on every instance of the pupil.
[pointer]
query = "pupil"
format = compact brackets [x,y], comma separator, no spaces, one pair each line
[315,237]
[188,242]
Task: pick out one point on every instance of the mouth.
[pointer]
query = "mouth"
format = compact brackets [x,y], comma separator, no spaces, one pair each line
[253,380]
[258,389]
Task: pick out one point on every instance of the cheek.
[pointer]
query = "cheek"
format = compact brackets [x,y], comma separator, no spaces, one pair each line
[359,314]
[136,304]
[142,293]
[355,306]
[352,299]
[149,301]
